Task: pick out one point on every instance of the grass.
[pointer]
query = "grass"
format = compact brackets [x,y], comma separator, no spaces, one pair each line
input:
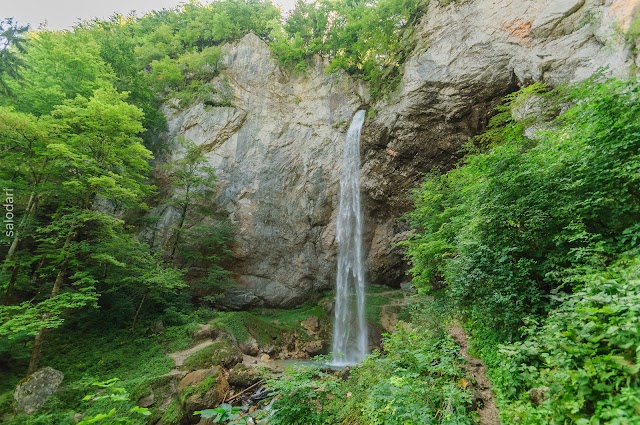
[90,352]
[266,326]
[86,354]
[378,297]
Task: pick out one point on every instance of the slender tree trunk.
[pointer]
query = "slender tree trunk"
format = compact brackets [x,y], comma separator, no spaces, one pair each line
[135,318]
[31,207]
[16,237]
[178,232]
[36,352]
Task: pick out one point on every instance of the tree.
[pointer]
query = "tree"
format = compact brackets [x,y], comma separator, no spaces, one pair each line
[198,240]
[96,157]
[26,170]
[12,43]
[58,66]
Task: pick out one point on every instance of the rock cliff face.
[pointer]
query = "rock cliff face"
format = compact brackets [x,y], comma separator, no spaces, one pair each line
[278,149]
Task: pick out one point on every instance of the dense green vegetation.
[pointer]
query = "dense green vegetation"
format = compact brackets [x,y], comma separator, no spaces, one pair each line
[534,239]
[369,39]
[418,378]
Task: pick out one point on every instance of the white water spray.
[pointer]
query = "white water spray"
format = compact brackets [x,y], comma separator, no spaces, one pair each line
[350,336]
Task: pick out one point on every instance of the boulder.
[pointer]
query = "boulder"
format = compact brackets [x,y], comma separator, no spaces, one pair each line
[250,347]
[242,376]
[35,390]
[205,332]
[221,352]
[311,324]
[202,389]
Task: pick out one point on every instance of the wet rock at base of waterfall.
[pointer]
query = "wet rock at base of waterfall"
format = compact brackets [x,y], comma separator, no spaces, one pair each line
[265,358]
[34,392]
[313,348]
[344,373]
[311,324]
[242,376]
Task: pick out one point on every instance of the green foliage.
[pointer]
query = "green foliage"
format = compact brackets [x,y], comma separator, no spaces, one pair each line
[415,381]
[225,413]
[199,239]
[117,397]
[11,44]
[511,224]
[541,229]
[370,39]
[585,353]
[173,414]
[58,66]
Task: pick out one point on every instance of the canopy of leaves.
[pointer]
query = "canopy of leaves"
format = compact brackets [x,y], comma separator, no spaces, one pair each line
[370,39]
[11,45]
[539,226]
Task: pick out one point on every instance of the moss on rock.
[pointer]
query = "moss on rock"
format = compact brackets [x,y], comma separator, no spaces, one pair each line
[221,353]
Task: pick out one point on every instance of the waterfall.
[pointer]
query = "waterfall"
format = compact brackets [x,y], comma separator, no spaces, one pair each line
[350,336]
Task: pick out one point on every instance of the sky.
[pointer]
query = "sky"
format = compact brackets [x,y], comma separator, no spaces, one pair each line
[61,14]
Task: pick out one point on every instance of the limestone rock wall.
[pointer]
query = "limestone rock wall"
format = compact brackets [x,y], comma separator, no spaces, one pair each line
[278,149]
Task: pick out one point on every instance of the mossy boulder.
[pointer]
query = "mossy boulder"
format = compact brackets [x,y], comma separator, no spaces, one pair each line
[202,389]
[33,392]
[242,376]
[221,352]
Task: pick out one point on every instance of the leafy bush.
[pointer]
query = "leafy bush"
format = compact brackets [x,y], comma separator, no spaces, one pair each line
[585,353]
[416,381]
[530,229]
[516,220]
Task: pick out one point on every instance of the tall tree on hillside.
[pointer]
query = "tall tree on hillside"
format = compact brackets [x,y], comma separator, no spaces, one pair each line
[11,46]
[198,240]
[26,171]
[97,158]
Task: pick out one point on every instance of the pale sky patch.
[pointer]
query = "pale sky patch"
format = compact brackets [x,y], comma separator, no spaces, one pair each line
[62,14]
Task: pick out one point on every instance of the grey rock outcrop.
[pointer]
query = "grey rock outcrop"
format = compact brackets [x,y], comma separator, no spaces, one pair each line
[469,54]
[34,392]
[277,152]
[277,149]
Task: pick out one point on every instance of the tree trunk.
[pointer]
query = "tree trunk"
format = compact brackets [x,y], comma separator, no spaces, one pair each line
[36,352]
[178,231]
[31,207]
[16,237]
[135,318]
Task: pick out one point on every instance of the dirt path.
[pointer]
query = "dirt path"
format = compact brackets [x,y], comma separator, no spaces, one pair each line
[488,410]
[180,356]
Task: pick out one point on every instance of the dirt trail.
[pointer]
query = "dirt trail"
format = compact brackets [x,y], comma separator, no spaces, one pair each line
[180,356]
[488,411]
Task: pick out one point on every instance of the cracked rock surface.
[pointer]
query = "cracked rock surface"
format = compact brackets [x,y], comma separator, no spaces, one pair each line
[278,149]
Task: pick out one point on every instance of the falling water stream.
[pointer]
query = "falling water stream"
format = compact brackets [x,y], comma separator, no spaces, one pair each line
[350,336]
